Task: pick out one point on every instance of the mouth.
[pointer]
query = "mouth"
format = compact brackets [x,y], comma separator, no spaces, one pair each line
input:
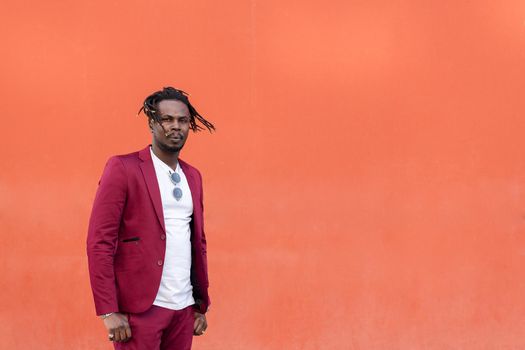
[175,137]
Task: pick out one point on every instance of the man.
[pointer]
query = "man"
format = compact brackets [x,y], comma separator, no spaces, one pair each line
[146,245]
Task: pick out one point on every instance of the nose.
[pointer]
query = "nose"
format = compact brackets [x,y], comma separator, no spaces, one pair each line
[174,125]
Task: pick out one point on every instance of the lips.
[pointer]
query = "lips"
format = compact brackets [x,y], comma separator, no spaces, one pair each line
[175,138]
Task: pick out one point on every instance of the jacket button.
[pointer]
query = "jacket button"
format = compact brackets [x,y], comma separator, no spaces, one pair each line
[163,236]
[159,262]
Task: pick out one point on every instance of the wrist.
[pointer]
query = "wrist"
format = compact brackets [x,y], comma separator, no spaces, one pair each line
[104,316]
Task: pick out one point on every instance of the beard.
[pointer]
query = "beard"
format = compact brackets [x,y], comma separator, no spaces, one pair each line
[171,149]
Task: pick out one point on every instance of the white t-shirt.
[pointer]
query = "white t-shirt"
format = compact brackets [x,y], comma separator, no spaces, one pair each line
[175,291]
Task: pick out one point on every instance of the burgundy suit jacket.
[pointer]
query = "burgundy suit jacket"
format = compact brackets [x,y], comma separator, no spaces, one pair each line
[126,239]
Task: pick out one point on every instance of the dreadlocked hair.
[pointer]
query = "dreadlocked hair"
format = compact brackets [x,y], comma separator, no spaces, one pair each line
[149,108]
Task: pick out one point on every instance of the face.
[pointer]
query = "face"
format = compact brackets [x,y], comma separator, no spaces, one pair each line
[175,121]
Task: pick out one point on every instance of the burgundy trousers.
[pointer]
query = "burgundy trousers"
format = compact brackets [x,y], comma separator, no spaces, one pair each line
[160,329]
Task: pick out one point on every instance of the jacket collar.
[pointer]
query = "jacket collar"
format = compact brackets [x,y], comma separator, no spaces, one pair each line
[150,177]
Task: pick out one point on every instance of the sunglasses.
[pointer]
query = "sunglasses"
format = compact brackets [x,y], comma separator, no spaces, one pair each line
[177,192]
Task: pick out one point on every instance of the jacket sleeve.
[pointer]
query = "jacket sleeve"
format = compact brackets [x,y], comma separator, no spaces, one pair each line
[204,304]
[102,237]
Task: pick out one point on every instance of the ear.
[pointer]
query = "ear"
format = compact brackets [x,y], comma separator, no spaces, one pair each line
[150,124]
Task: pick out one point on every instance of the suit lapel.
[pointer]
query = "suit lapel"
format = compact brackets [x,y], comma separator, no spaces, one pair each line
[150,177]
[193,183]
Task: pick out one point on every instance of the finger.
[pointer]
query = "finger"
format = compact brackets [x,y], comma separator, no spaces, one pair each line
[115,333]
[118,337]
[200,327]
[128,332]
[196,327]
[123,336]
[111,336]
[204,325]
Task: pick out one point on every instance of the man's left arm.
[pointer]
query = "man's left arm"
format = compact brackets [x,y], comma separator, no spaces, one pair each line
[201,324]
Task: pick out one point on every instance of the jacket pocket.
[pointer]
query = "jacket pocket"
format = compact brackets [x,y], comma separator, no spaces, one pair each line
[131,239]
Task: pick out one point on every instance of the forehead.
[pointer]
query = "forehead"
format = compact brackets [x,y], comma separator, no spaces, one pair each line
[172,107]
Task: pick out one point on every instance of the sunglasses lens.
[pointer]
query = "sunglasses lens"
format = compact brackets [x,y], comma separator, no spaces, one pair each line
[177,193]
[175,178]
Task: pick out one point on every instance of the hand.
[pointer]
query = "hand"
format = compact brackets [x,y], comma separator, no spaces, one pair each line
[118,327]
[200,325]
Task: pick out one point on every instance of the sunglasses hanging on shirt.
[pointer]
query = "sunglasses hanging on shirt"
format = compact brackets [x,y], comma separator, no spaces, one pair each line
[175,179]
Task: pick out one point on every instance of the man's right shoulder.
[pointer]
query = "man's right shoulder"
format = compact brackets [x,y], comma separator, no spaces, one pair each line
[129,158]
[124,163]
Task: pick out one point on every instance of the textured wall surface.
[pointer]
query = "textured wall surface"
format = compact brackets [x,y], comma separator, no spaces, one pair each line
[365,188]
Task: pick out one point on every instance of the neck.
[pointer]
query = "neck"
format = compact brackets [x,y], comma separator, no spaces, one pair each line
[170,158]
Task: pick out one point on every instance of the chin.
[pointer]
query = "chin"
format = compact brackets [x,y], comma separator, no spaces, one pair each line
[169,148]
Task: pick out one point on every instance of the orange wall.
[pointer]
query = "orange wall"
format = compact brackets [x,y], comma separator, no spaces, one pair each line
[365,188]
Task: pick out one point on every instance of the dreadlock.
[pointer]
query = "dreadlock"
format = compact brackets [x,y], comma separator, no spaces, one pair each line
[149,108]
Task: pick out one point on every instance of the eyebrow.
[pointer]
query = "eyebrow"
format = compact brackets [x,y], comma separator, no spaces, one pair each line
[175,116]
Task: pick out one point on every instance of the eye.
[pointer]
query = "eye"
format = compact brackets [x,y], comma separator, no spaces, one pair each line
[184,120]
